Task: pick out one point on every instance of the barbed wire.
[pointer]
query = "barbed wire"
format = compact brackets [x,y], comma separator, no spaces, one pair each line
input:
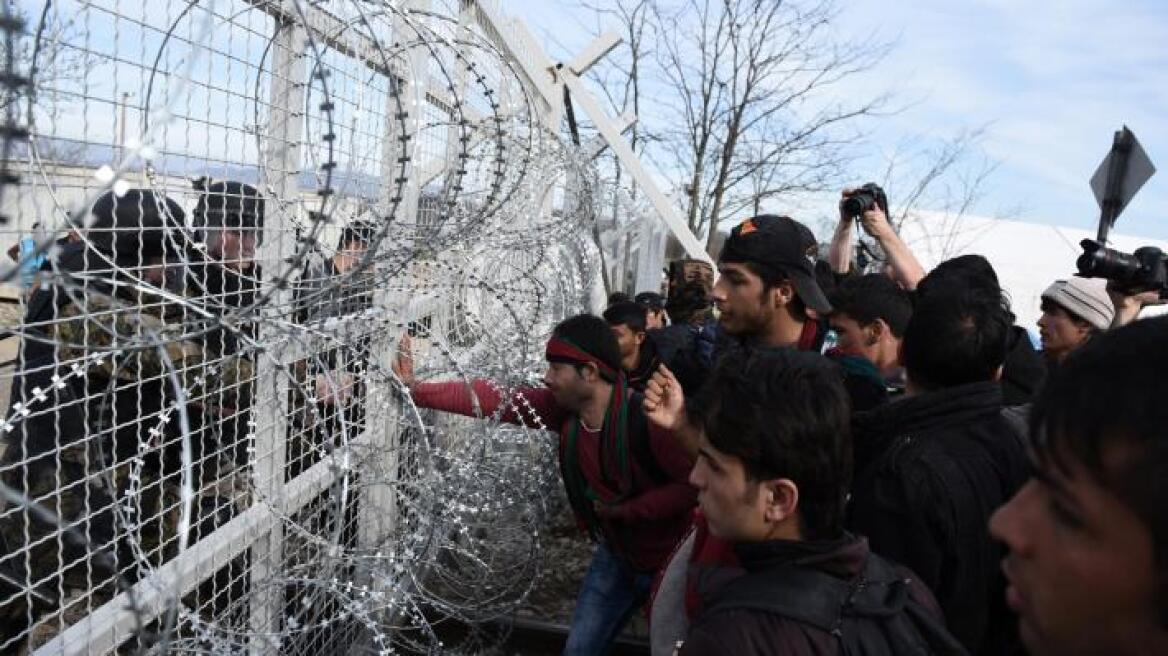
[206,446]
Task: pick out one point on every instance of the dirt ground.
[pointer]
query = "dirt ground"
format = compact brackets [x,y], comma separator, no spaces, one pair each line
[567,553]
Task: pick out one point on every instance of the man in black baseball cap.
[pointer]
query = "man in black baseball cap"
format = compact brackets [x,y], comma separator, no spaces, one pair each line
[768,284]
[654,305]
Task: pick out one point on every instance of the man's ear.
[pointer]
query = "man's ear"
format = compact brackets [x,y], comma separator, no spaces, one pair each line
[593,372]
[782,293]
[639,338]
[781,499]
[875,331]
[998,373]
[588,371]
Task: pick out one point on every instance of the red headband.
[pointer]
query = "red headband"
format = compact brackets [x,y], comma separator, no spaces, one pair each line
[561,350]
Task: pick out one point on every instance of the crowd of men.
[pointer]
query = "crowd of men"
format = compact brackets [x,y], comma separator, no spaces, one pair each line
[809,460]
[790,457]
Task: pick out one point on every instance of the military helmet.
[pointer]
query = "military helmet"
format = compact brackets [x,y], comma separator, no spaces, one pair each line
[227,205]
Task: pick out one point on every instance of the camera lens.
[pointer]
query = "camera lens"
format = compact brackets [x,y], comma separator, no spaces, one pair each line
[1101,262]
[858,203]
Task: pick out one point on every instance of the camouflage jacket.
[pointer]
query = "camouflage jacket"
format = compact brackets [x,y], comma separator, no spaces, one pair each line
[143,343]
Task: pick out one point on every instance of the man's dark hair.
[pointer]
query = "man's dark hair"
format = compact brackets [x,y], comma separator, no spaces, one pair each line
[627,314]
[1106,409]
[874,296]
[361,232]
[618,297]
[785,414]
[973,271]
[592,334]
[650,300]
[956,335]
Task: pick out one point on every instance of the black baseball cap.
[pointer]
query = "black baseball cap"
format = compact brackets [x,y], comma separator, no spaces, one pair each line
[783,245]
[650,300]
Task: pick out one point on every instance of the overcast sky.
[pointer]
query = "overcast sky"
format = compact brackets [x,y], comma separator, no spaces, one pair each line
[1052,80]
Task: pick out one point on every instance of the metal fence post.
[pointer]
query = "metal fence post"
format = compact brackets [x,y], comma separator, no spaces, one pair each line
[282,159]
[379,503]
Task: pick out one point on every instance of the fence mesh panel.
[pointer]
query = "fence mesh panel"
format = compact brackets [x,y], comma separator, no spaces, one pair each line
[220,218]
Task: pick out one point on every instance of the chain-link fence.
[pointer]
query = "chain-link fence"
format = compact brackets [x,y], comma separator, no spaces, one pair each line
[220,218]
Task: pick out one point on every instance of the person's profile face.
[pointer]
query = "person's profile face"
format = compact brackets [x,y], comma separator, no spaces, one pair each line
[1081,566]
[654,319]
[729,500]
[1059,331]
[628,340]
[237,249]
[566,383]
[741,300]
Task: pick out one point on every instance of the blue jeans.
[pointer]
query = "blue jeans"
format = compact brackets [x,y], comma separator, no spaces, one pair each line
[612,590]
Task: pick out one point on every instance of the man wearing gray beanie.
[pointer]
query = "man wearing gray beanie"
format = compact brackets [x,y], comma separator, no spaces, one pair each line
[1073,310]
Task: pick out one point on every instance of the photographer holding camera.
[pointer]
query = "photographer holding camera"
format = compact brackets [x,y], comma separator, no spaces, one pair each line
[868,206]
[1134,280]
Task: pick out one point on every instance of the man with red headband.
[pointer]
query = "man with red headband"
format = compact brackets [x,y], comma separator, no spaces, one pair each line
[626,479]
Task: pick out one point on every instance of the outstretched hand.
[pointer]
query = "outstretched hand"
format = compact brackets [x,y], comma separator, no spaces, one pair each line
[335,387]
[664,403]
[403,362]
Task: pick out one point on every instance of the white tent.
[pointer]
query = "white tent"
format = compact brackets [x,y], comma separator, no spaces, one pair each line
[1027,256]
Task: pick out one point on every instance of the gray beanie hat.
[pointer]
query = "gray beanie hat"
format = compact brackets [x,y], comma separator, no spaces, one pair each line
[1086,298]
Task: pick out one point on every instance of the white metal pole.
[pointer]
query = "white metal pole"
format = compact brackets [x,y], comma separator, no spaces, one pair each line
[281,172]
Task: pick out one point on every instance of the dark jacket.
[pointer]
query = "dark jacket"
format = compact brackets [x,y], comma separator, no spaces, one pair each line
[751,632]
[1024,370]
[930,470]
[323,293]
[865,386]
[688,351]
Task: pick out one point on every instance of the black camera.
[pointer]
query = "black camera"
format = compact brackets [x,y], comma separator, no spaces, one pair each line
[864,199]
[1143,270]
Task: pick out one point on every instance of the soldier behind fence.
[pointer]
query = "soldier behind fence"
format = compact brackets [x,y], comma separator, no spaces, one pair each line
[94,414]
[220,277]
[332,289]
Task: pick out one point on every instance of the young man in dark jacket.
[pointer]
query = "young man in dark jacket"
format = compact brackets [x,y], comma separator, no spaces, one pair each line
[625,478]
[1088,535]
[933,466]
[869,315]
[1023,369]
[654,304]
[638,356]
[766,296]
[772,474]
[686,346]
